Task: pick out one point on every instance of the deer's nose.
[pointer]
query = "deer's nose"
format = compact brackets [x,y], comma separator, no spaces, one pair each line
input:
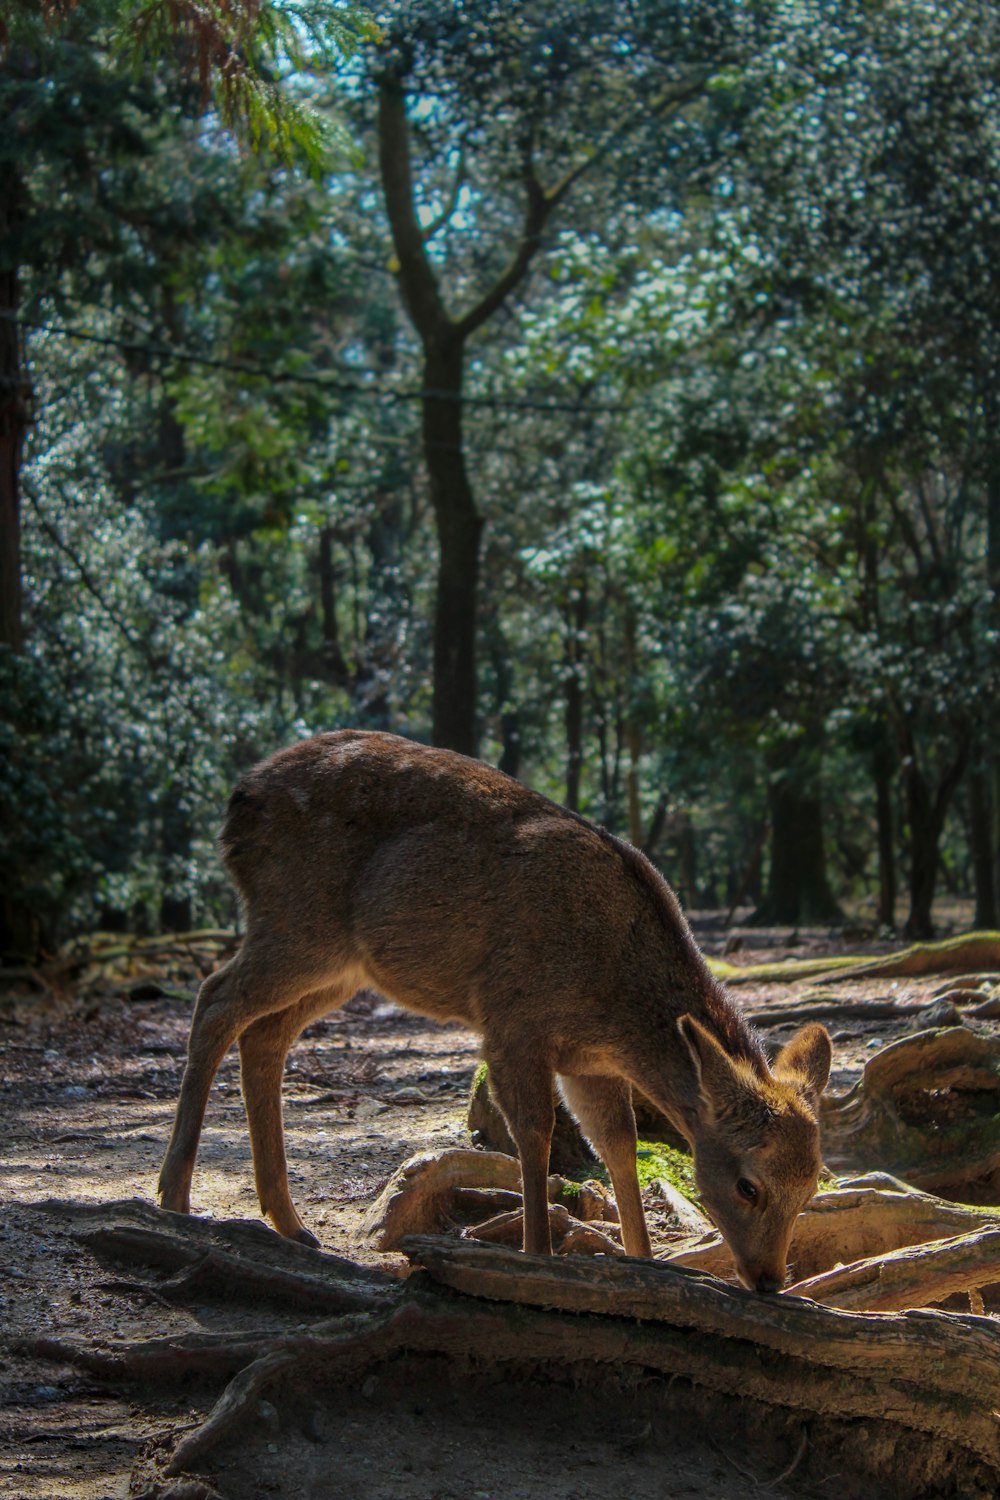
[766,1283]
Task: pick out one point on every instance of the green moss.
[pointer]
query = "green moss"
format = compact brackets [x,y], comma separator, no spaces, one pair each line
[479,1077]
[656,1159]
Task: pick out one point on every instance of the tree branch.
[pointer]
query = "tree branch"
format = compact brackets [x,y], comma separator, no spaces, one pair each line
[451,201]
[541,202]
[417,281]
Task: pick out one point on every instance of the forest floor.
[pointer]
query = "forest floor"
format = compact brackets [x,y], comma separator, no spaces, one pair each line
[88,1085]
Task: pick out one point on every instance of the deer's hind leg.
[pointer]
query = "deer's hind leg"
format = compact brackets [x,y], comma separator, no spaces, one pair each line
[603,1108]
[258,981]
[263,1049]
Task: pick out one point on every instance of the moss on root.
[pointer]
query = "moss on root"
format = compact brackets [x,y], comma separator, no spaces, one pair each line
[655,1159]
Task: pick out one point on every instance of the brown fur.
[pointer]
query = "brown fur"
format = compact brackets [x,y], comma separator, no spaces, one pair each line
[365,859]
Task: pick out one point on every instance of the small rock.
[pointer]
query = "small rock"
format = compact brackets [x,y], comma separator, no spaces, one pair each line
[369,1109]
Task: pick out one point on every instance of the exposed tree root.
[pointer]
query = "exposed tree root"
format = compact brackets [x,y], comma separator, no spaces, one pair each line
[931,1372]
[569,1235]
[960,955]
[925,1109]
[864,1218]
[432,1192]
[912,1277]
[926,1013]
[242,1259]
[926,1370]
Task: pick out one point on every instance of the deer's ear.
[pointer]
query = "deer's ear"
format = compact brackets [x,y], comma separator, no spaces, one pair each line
[805,1062]
[719,1085]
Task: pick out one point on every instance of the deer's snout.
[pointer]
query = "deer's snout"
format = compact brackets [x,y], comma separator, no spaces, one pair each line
[760,1279]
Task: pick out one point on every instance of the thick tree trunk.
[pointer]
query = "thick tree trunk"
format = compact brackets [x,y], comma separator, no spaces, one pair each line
[797,887]
[925,811]
[924,855]
[459,528]
[981,844]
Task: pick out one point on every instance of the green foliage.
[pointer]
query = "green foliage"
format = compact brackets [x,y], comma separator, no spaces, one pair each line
[735,445]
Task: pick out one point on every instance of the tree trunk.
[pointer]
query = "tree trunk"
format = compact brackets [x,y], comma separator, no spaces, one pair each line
[981,845]
[443,337]
[797,886]
[175,853]
[882,770]
[925,811]
[509,718]
[20,931]
[15,408]
[573,659]
[459,528]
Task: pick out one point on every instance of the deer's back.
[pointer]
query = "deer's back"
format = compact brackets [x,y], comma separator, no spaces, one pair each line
[448,881]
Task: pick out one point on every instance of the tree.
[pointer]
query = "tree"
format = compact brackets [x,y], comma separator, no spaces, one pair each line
[512,112]
[85,226]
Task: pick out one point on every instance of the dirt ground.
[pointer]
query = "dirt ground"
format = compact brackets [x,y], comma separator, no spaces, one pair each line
[87,1090]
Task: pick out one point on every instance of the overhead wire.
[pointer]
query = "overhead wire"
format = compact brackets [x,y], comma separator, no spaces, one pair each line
[325,380]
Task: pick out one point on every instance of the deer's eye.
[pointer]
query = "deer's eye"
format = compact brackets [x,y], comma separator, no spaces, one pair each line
[746,1190]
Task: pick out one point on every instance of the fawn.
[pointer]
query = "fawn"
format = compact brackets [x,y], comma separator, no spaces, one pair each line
[366,859]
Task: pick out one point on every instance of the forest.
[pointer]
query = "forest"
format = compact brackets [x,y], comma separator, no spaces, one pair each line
[608,391]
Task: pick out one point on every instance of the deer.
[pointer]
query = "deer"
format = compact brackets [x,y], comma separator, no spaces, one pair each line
[367,860]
